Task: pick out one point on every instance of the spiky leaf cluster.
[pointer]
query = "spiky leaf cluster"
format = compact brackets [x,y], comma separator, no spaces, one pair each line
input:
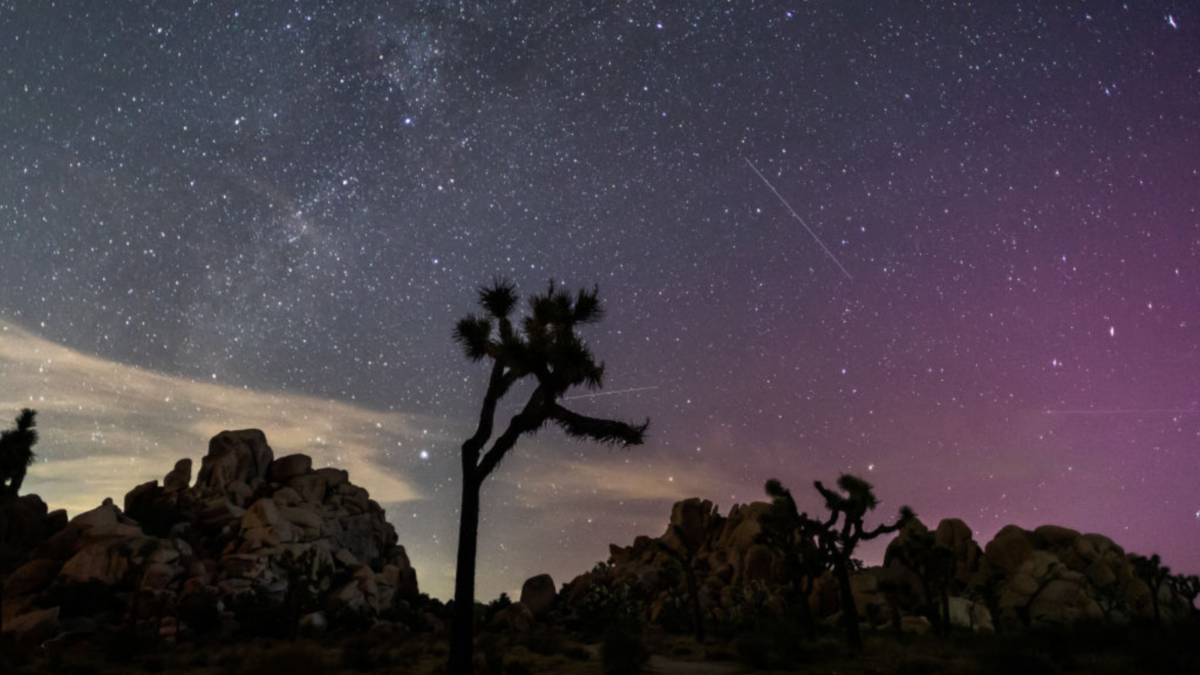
[16,448]
[546,346]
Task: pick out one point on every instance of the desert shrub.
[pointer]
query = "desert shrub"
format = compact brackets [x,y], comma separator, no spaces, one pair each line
[406,613]
[260,616]
[1018,662]
[200,613]
[362,654]
[604,607]
[410,653]
[343,617]
[292,659]
[623,652]
[93,598]
[771,642]
[919,665]
[124,646]
[546,640]
[517,668]
[495,607]
[491,651]
[577,653]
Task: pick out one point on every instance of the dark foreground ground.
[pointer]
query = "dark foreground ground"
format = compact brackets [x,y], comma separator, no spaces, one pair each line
[1097,650]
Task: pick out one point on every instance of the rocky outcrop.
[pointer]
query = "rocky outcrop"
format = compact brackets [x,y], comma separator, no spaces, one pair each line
[251,526]
[1055,576]
[724,552]
[25,522]
[1046,577]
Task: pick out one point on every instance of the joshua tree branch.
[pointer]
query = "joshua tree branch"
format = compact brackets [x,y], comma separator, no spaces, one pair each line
[599,430]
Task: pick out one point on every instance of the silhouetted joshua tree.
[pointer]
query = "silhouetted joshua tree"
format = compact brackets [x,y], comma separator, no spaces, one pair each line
[545,350]
[839,540]
[1187,585]
[16,453]
[794,534]
[934,565]
[686,557]
[1155,574]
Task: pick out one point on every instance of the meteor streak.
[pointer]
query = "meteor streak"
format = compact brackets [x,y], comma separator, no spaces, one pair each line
[797,217]
[1150,411]
[608,393]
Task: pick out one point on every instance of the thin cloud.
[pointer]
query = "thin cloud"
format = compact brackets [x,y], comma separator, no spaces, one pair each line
[107,427]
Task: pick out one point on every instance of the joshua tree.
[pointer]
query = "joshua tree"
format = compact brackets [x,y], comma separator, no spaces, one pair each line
[16,453]
[934,566]
[546,351]
[839,540]
[685,555]
[1187,585]
[794,533]
[1155,574]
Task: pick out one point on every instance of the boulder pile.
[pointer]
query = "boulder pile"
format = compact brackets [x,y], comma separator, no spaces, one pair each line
[251,528]
[735,573]
[1050,576]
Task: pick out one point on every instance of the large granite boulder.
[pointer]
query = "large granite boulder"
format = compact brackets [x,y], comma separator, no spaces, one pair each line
[25,522]
[249,525]
[1057,576]
[538,594]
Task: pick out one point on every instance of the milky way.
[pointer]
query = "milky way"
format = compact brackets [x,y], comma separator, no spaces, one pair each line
[297,200]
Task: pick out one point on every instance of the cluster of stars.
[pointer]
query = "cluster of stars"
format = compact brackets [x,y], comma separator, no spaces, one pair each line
[303,197]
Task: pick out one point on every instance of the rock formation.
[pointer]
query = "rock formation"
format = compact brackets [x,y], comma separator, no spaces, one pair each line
[251,527]
[25,522]
[728,560]
[1046,577]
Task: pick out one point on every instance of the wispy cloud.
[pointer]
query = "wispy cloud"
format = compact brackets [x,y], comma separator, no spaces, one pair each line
[106,427]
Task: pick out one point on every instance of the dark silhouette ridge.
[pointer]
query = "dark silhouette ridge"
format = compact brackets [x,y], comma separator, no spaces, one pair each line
[546,348]
[16,453]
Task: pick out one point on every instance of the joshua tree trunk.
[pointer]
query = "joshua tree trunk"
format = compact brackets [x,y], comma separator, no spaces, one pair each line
[545,349]
[463,633]
[17,479]
[694,593]
[849,611]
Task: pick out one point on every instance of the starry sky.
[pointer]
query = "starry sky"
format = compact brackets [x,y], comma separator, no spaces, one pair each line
[951,247]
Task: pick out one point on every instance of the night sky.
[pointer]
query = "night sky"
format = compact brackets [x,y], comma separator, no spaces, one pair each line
[227,214]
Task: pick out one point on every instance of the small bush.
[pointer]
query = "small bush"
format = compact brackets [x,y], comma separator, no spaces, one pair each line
[546,641]
[200,613]
[123,646]
[1018,663]
[260,616]
[292,659]
[517,668]
[623,653]
[361,654]
[771,643]
[919,665]
[577,653]
[92,598]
